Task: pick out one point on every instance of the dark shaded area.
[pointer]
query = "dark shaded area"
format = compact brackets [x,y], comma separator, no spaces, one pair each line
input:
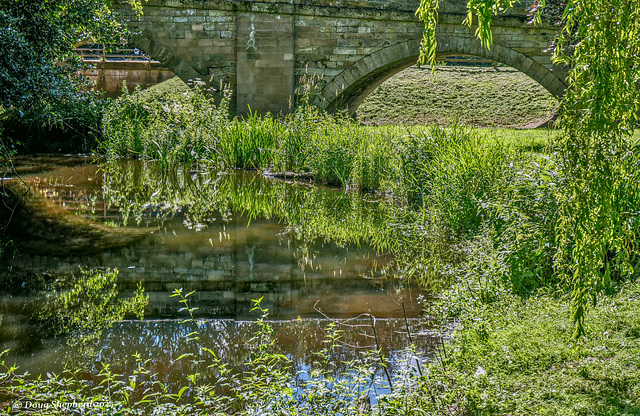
[39,227]
[73,128]
[40,138]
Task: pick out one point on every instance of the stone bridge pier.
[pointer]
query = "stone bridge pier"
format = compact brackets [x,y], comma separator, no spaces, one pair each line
[261,49]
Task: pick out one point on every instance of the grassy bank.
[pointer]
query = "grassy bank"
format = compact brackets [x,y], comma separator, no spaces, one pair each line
[517,357]
[481,97]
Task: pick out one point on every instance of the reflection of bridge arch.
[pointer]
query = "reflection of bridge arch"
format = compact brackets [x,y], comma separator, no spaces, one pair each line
[349,89]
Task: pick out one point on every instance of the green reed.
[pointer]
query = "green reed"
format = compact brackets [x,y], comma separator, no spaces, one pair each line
[449,186]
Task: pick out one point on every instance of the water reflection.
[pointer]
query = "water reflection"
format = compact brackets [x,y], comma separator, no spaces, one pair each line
[230,236]
[163,341]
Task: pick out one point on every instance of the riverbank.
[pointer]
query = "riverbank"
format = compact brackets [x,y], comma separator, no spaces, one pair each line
[472,213]
[517,356]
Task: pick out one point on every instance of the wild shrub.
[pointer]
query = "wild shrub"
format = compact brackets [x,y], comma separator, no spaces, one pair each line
[176,129]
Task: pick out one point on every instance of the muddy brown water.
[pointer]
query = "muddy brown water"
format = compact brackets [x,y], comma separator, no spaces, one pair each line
[228,253]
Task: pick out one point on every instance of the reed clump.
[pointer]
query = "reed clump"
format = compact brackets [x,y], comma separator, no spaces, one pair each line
[448,184]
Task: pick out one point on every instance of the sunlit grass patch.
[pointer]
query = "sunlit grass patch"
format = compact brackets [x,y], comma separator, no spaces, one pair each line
[464,95]
[526,349]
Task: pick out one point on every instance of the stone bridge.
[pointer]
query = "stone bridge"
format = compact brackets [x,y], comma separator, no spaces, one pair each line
[262,48]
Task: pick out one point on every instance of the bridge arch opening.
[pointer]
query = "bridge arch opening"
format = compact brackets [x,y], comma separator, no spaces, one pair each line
[462,90]
[349,89]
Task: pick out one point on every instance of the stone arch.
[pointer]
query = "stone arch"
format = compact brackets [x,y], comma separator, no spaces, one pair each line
[349,88]
[166,56]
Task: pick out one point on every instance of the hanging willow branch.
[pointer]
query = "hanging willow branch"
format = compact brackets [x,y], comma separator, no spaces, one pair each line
[599,222]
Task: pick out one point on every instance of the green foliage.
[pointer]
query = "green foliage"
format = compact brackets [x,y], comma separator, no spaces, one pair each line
[525,221]
[454,173]
[482,10]
[71,125]
[332,150]
[292,147]
[86,305]
[40,84]
[37,65]
[599,220]
[524,349]
[249,142]
[595,232]
[428,13]
[456,182]
[186,127]
[266,383]
[508,356]
[175,129]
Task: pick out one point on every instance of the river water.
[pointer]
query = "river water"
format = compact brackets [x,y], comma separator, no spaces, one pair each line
[312,254]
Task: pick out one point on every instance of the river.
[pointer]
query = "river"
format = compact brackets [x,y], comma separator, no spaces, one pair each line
[312,254]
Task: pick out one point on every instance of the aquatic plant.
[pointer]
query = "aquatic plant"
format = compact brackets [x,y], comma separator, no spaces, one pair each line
[265,383]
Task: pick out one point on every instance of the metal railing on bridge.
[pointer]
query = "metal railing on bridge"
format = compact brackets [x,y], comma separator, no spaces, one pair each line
[100,53]
[468,61]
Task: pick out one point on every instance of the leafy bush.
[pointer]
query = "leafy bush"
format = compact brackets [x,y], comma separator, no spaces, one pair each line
[176,129]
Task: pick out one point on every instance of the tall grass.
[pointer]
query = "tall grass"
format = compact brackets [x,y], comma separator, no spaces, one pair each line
[451,185]
[455,180]
[188,128]
[248,142]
